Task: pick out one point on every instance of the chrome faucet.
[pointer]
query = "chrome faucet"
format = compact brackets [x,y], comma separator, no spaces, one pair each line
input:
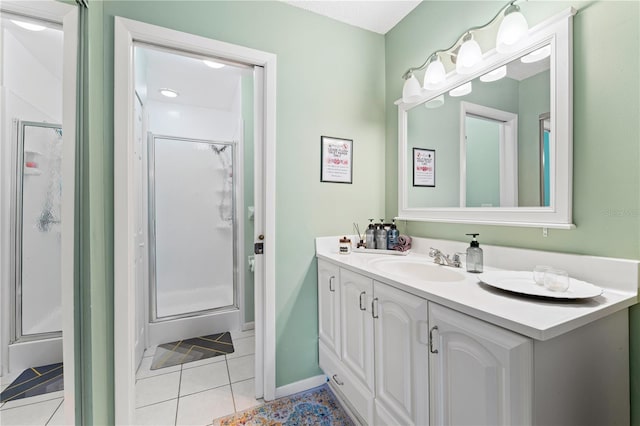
[444,260]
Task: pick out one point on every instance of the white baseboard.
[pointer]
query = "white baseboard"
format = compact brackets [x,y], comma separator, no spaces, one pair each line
[248,326]
[300,386]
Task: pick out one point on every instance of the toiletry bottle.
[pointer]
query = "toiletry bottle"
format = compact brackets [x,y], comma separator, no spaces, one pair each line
[345,245]
[474,255]
[369,236]
[381,236]
[392,236]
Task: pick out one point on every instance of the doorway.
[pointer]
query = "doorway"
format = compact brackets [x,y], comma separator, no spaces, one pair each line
[37,191]
[185,154]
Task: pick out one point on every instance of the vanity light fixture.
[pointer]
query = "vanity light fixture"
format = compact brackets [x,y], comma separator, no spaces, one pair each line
[494,75]
[461,90]
[468,56]
[537,55]
[212,64]
[512,29]
[169,93]
[466,52]
[435,74]
[28,25]
[436,102]
[411,90]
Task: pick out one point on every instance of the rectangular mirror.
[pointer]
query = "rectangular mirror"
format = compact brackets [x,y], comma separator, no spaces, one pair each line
[502,137]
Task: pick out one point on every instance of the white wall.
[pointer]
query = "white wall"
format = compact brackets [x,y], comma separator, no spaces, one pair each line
[30,92]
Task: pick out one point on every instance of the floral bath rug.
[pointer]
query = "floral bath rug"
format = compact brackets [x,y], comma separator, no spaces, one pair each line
[317,406]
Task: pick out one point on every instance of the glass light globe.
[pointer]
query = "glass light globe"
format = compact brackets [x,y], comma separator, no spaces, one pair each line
[494,75]
[435,75]
[512,29]
[411,90]
[468,56]
[462,90]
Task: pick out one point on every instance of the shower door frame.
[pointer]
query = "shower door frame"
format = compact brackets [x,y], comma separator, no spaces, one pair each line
[17,203]
[237,234]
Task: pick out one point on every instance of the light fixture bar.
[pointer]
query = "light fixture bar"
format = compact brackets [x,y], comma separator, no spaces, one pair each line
[460,39]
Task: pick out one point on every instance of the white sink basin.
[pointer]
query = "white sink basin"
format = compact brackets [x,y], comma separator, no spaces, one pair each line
[416,269]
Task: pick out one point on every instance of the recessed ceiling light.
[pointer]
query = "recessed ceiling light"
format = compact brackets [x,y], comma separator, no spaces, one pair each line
[168,93]
[212,64]
[537,55]
[29,26]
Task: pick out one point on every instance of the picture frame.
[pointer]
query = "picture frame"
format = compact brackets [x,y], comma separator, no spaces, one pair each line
[424,167]
[336,160]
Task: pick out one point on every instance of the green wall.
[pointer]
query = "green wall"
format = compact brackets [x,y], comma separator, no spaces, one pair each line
[605,133]
[330,81]
[483,162]
[532,103]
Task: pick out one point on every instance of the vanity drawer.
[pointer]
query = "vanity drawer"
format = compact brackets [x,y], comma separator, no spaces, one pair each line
[359,397]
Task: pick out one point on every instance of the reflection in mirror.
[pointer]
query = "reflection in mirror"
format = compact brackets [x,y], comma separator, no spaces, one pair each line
[544,136]
[487,137]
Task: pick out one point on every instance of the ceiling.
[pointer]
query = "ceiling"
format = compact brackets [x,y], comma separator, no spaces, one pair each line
[378,16]
[197,84]
[45,46]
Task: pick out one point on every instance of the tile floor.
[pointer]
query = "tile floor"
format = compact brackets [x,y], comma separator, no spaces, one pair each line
[198,392]
[190,394]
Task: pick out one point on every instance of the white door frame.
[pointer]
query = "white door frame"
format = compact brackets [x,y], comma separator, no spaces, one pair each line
[508,145]
[126,33]
[67,15]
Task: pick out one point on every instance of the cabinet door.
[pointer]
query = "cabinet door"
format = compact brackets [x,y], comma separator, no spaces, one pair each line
[480,373]
[401,357]
[328,305]
[356,325]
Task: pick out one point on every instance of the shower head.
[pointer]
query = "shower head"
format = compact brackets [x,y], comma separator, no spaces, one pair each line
[217,150]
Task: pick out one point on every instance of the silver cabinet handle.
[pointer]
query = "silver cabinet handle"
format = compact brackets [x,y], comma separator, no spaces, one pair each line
[331,286]
[374,303]
[362,307]
[335,379]
[433,351]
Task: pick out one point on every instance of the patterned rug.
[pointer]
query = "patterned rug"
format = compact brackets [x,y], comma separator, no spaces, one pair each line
[317,406]
[35,381]
[188,350]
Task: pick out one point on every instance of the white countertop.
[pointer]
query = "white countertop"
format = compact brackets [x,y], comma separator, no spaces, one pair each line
[538,318]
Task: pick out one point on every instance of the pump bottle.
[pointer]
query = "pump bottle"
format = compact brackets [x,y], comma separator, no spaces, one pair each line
[381,236]
[392,236]
[369,236]
[474,255]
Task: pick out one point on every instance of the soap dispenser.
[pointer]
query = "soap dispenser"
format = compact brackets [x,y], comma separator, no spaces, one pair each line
[381,236]
[474,255]
[369,236]
[392,236]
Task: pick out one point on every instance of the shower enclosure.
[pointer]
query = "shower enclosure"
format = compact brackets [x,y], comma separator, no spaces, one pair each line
[36,232]
[193,249]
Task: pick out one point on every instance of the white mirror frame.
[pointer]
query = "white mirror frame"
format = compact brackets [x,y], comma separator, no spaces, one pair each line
[556,31]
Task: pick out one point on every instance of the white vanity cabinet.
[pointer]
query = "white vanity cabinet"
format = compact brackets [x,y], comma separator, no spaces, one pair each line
[480,374]
[328,305]
[401,360]
[384,382]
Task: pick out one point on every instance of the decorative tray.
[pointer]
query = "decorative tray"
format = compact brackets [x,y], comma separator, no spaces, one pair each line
[522,282]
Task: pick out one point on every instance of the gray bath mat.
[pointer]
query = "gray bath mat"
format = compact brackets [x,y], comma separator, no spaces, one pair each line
[194,349]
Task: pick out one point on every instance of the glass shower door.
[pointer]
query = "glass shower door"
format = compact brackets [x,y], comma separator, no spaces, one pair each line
[37,238]
[192,226]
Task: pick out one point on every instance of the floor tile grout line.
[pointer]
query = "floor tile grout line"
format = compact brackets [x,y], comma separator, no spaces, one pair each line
[233,398]
[54,412]
[155,403]
[178,397]
[156,375]
[3,408]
